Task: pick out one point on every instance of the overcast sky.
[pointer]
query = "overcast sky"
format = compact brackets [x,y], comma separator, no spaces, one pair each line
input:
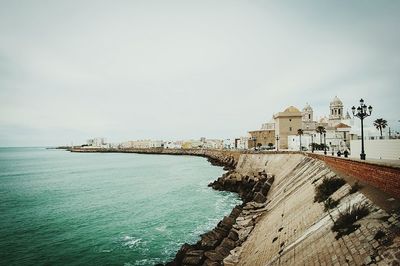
[125,70]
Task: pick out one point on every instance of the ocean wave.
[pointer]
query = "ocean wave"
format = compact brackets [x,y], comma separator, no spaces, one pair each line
[130,241]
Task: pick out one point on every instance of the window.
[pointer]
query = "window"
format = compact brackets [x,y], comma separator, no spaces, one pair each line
[339,111]
[290,119]
[290,128]
[309,116]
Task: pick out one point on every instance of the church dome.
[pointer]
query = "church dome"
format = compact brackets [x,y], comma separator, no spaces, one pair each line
[336,102]
[291,109]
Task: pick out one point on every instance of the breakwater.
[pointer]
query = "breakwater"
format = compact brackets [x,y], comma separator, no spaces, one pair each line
[287,226]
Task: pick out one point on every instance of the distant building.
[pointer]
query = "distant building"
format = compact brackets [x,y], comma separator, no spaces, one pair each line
[261,138]
[287,123]
[213,144]
[97,143]
[242,143]
[173,144]
[143,144]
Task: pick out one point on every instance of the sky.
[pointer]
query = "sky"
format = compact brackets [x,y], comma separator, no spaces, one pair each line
[124,70]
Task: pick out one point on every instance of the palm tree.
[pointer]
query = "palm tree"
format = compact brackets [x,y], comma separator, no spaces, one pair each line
[380,124]
[320,130]
[300,132]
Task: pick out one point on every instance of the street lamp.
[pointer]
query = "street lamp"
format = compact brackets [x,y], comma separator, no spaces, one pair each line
[362,113]
[312,143]
[325,143]
[277,142]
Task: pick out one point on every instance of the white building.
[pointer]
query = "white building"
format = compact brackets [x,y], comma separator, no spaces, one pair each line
[173,145]
[228,144]
[97,143]
[294,142]
[142,144]
[242,143]
[213,144]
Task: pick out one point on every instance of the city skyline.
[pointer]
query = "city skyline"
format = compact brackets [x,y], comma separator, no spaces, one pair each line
[132,70]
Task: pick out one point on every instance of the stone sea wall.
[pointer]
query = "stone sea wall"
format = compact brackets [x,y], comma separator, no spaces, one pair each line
[296,230]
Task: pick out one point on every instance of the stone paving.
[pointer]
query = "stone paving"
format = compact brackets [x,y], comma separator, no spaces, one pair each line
[297,231]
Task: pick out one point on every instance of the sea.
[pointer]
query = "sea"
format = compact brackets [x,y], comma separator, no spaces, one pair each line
[64,208]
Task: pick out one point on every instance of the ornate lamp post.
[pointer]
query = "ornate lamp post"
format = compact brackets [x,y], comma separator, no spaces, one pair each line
[312,143]
[325,143]
[277,142]
[362,113]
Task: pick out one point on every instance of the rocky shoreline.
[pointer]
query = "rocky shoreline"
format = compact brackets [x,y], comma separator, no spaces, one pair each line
[220,245]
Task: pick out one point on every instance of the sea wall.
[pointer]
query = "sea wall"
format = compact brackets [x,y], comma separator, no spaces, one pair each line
[383,177]
[295,230]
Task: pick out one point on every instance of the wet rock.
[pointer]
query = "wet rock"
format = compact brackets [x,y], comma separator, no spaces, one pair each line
[233,235]
[227,222]
[265,188]
[222,250]
[259,198]
[214,256]
[235,212]
[193,257]
[228,243]
[211,263]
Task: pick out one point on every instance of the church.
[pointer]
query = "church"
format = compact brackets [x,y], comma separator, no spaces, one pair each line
[336,124]
[282,129]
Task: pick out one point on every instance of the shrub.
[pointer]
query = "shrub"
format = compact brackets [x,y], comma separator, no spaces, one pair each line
[327,188]
[330,204]
[344,225]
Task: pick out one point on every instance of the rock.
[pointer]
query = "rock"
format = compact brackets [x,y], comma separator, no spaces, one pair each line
[233,258]
[222,251]
[194,257]
[265,188]
[180,255]
[244,233]
[212,255]
[259,198]
[245,223]
[233,235]
[211,263]
[227,222]
[228,243]
[235,212]
[209,243]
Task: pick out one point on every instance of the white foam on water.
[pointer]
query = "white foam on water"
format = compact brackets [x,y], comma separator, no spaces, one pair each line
[161,228]
[144,262]
[130,241]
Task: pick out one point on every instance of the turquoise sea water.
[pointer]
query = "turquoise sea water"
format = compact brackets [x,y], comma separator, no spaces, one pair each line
[62,208]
